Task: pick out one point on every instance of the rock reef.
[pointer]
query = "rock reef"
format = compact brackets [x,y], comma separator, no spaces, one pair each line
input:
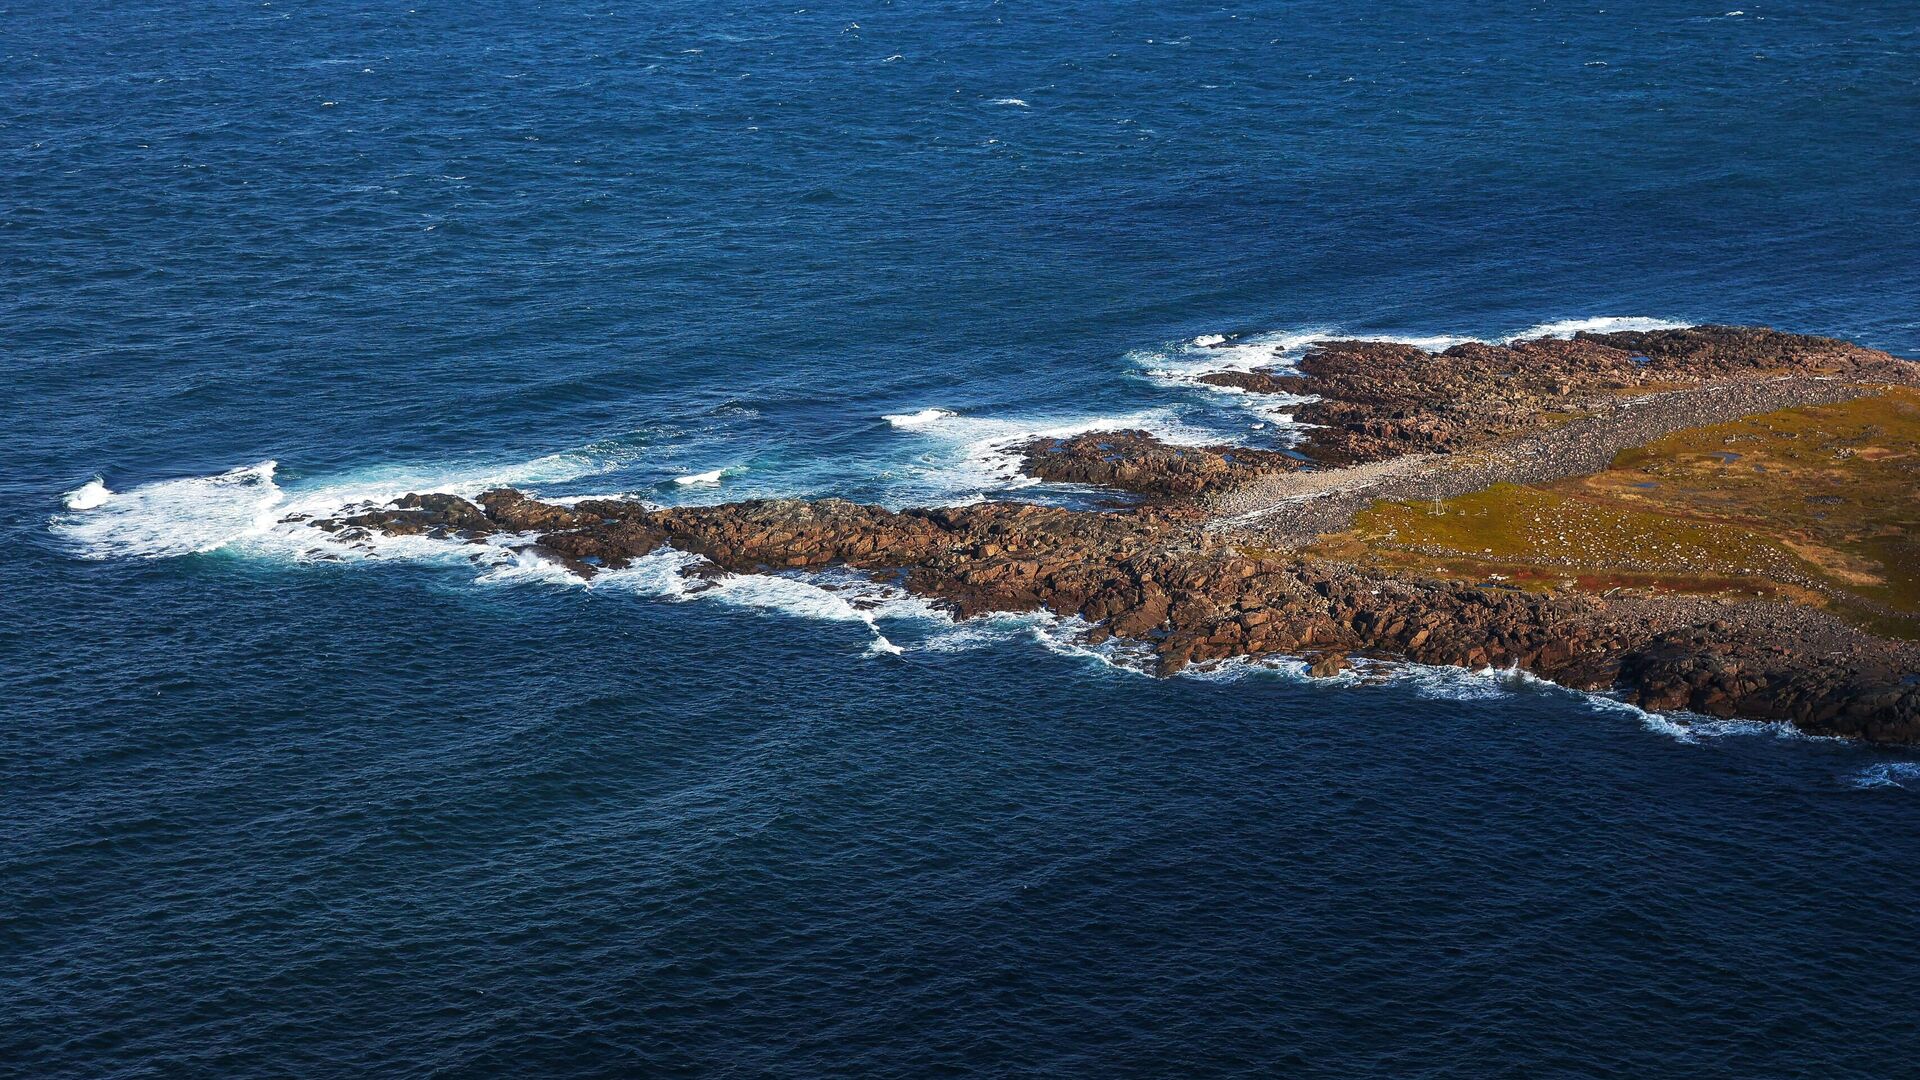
[1138,462]
[1171,575]
[1380,400]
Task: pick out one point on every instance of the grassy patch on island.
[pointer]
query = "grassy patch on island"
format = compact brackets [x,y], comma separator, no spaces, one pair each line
[1820,504]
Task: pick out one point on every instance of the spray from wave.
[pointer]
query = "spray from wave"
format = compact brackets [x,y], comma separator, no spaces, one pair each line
[172,517]
[969,458]
[1900,775]
[246,508]
[88,496]
[917,419]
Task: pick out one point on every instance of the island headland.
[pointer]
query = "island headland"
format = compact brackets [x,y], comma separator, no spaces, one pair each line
[1721,520]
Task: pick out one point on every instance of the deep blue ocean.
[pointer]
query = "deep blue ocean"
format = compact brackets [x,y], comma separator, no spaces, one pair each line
[273,809]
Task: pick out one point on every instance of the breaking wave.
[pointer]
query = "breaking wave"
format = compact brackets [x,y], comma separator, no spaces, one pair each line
[1282,349]
[970,458]
[170,517]
[1446,683]
[1904,775]
[246,508]
[1566,328]
[1181,365]
[87,496]
[917,419]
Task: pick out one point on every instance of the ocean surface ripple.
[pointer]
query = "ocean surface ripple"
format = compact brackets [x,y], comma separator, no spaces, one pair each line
[276,808]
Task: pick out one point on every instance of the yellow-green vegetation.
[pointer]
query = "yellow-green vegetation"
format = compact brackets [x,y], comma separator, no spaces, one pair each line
[1820,504]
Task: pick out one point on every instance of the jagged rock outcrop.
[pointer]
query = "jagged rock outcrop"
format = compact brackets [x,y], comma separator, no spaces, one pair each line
[1379,400]
[1153,575]
[1138,462]
[1146,575]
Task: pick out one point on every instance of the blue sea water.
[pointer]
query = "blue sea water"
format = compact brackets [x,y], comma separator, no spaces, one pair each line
[271,809]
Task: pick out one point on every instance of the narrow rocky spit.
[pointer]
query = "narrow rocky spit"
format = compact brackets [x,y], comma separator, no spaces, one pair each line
[1214,561]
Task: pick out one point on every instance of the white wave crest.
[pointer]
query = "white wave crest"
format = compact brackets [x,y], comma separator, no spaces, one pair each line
[1282,349]
[1013,101]
[88,496]
[1181,365]
[976,456]
[527,567]
[1888,774]
[1566,328]
[245,508]
[917,419]
[661,575]
[713,477]
[1446,683]
[1211,353]
[173,517]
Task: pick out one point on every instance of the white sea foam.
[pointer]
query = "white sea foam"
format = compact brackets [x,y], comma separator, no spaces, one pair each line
[245,508]
[1282,349]
[1211,353]
[87,496]
[1566,328]
[1448,683]
[1462,684]
[1181,365]
[832,596]
[1888,774]
[986,630]
[1014,101]
[661,575]
[972,456]
[917,419]
[713,477]
[1068,637]
[527,567]
[1680,726]
[1236,668]
[173,517]
[792,595]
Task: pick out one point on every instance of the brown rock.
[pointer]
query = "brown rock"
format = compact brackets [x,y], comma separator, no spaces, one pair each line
[1328,664]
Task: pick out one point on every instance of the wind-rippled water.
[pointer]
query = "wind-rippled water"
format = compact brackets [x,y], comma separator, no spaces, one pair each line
[274,808]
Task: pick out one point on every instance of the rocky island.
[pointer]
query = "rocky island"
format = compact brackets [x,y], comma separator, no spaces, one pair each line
[1721,520]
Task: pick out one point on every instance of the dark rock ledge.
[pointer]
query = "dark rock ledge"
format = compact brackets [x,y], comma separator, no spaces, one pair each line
[1149,575]
[1156,574]
[1380,400]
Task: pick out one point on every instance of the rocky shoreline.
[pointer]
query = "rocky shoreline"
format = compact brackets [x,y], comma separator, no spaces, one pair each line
[1212,563]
